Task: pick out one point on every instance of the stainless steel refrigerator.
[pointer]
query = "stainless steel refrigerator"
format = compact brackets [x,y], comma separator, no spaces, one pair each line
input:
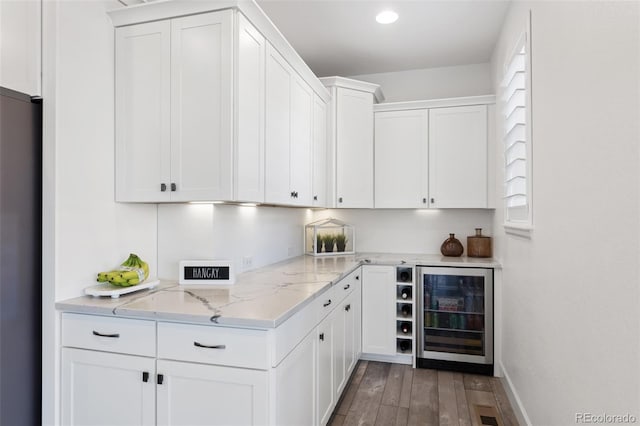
[20,258]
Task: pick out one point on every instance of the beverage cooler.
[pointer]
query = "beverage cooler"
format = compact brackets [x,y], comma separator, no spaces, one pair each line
[455,319]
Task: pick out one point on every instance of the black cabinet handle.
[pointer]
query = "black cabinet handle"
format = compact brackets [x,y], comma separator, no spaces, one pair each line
[315,198]
[358,277]
[327,304]
[145,376]
[113,336]
[424,201]
[347,308]
[163,187]
[173,187]
[346,287]
[292,194]
[160,379]
[322,336]
[340,199]
[433,200]
[200,345]
[295,194]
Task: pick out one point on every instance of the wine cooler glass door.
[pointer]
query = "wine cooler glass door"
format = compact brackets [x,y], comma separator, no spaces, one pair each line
[456,319]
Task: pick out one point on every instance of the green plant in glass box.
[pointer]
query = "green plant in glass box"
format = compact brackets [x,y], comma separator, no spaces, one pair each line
[341,241]
[329,241]
[329,237]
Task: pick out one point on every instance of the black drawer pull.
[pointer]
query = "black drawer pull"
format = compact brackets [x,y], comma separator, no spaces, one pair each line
[113,336]
[358,277]
[160,379]
[322,336]
[347,308]
[200,345]
[145,376]
[327,304]
[346,287]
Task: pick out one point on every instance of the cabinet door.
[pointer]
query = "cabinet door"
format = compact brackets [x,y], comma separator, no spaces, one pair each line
[142,108]
[378,310]
[296,385]
[319,180]
[249,104]
[357,329]
[401,159]
[201,114]
[278,128]
[100,388]
[354,149]
[325,366]
[345,338]
[301,141]
[200,394]
[458,157]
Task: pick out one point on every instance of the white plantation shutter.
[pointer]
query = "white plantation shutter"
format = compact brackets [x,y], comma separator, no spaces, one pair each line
[516,95]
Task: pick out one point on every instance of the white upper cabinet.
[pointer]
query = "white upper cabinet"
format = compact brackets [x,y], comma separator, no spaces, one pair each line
[201,120]
[249,104]
[458,157]
[350,142]
[319,179]
[289,118]
[143,86]
[301,141]
[401,159]
[354,149]
[173,117]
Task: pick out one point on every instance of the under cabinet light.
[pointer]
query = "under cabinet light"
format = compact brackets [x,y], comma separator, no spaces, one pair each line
[387,17]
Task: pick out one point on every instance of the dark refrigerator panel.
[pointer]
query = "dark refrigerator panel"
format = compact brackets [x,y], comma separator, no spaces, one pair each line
[20,258]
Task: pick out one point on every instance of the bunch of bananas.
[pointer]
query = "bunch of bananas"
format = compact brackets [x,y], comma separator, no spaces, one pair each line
[131,272]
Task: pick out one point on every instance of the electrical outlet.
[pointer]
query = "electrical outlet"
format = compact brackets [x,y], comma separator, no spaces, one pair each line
[247,262]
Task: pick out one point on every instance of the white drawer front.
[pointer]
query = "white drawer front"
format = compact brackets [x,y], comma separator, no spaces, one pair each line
[121,335]
[235,347]
[348,284]
[326,302]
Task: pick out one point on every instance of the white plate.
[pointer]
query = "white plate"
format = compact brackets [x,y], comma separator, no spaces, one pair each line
[114,291]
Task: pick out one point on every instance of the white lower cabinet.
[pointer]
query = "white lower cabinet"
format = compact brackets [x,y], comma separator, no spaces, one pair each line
[100,388]
[200,394]
[188,374]
[326,362]
[378,310]
[296,385]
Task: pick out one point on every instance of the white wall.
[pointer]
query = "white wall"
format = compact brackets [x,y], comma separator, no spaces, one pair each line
[408,230]
[571,295]
[20,24]
[84,230]
[433,83]
[207,231]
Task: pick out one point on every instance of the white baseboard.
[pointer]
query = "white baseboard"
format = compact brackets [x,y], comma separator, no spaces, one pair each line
[396,359]
[514,399]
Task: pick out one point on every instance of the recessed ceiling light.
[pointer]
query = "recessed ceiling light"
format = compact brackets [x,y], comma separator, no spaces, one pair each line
[387,17]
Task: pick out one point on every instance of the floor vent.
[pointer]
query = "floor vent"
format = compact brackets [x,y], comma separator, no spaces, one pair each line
[487,416]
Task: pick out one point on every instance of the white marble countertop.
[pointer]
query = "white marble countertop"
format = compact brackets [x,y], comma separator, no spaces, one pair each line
[263,298]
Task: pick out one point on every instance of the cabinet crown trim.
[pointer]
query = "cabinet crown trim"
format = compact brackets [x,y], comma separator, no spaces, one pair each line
[167,9]
[435,103]
[349,83]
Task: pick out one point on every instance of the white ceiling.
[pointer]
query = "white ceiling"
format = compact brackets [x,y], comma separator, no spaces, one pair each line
[341,37]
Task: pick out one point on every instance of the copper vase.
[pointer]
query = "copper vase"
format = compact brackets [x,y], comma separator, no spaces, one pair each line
[451,247]
[479,245]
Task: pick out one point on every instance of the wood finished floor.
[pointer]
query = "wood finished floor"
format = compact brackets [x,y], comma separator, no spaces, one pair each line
[383,394]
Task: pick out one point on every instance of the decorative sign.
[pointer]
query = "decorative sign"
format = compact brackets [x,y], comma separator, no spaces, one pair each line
[206,272]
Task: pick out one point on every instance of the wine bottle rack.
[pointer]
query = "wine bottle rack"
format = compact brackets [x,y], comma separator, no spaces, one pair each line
[405,311]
